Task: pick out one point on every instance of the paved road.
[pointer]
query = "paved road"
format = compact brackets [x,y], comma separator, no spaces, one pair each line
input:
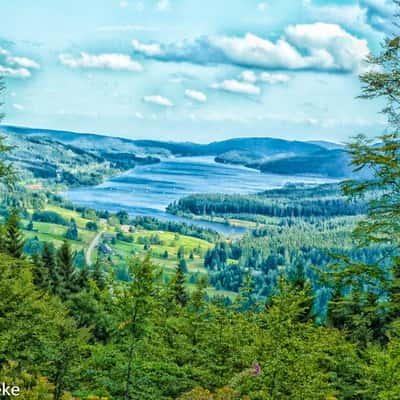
[91,247]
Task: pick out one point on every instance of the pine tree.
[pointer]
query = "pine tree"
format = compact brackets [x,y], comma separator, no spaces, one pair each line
[65,263]
[14,241]
[178,286]
[183,265]
[366,287]
[137,302]
[40,272]
[49,262]
[72,231]
[300,283]
[83,277]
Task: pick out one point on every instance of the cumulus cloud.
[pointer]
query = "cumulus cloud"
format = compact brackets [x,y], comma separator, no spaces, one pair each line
[248,76]
[262,7]
[113,61]
[252,77]
[234,86]
[380,13]
[319,46]
[16,66]
[196,95]
[274,78]
[149,50]
[329,46]
[159,100]
[351,16]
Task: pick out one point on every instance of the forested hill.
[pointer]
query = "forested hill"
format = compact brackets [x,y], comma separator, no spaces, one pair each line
[269,155]
[46,158]
[290,201]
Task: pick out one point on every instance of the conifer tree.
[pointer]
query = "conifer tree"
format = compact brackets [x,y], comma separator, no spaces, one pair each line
[40,272]
[178,286]
[48,261]
[14,240]
[137,303]
[97,274]
[65,263]
[366,287]
[72,231]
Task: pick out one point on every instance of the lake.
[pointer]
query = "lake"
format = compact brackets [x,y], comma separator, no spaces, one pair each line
[147,190]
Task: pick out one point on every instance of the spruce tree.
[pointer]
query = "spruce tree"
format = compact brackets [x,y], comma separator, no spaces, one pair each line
[72,231]
[48,261]
[370,288]
[65,262]
[178,286]
[14,240]
[40,272]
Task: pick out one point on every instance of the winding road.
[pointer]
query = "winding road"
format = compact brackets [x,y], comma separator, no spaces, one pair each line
[91,247]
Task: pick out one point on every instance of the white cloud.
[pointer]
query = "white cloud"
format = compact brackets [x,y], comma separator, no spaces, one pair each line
[159,100]
[385,8]
[196,95]
[234,86]
[329,46]
[14,72]
[274,78]
[16,66]
[162,5]
[351,16]
[248,76]
[319,46]
[381,13]
[117,62]
[18,107]
[252,77]
[262,7]
[148,50]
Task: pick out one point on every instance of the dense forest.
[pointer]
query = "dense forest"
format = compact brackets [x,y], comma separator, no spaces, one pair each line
[81,333]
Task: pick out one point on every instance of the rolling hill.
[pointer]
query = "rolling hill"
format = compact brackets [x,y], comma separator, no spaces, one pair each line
[269,155]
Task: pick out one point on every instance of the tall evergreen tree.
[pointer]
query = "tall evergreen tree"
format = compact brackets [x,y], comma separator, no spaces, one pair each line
[137,303]
[365,286]
[14,238]
[49,262]
[40,272]
[178,286]
[65,263]
[72,231]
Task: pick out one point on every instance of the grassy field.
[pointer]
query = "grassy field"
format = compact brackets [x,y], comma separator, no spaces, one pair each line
[164,250]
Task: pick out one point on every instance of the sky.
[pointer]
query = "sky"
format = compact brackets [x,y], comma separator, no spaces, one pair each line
[190,70]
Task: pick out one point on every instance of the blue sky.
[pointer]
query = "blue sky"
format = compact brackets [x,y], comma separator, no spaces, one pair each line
[190,70]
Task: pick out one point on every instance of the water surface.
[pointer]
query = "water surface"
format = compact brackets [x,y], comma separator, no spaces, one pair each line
[147,190]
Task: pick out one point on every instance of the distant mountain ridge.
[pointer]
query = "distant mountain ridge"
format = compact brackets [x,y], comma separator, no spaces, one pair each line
[270,155]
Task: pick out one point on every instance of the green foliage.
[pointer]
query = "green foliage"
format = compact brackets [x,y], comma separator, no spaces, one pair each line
[72,231]
[13,237]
